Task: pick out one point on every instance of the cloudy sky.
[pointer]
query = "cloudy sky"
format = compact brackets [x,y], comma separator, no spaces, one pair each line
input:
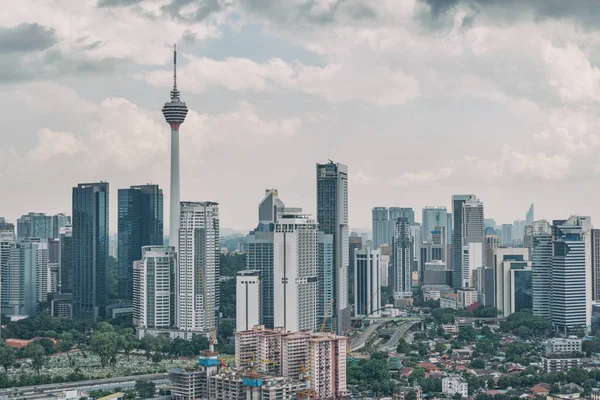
[420,98]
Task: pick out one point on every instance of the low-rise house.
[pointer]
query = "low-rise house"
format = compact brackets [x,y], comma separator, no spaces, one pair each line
[541,389]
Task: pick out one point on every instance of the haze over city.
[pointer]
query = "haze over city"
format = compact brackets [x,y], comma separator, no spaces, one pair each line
[421,99]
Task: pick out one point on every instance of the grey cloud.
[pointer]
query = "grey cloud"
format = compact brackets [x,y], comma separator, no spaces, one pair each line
[54,64]
[585,13]
[25,38]
[303,14]
[118,3]
[203,10]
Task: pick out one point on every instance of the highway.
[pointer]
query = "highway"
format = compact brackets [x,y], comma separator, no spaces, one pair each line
[42,391]
[391,344]
[360,341]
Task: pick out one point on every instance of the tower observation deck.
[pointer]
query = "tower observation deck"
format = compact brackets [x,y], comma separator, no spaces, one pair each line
[175,110]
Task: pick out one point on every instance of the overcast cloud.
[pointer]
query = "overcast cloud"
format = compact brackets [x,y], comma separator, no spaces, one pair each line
[420,98]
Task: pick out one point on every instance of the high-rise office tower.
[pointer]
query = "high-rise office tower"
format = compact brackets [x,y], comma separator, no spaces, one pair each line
[326,286]
[247,303]
[259,257]
[513,281]
[458,200]
[198,269]
[506,235]
[27,277]
[59,221]
[174,112]
[140,223]
[154,288]
[595,261]
[489,223]
[401,212]
[367,282]
[54,250]
[270,205]
[90,250]
[332,216]
[65,282]
[518,230]
[529,216]
[380,221]
[7,239]
[568,305]
[537,227]
[433,217]
[295,255]
[354,243]
[541,265]
[401,260]
[472,232]
[6,226]
[34,225]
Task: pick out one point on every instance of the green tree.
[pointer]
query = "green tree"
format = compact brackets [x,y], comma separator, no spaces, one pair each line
[467,334]
[127,341]
[7,356]
[226,329]
[478,363]
[37,354]
[440,347]
[403,347]
[412,395]
[145,389]
[105,345]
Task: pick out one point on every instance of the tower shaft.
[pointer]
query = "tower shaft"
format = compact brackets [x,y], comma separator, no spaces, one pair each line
[174,213]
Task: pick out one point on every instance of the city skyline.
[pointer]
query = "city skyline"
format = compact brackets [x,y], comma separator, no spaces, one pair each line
[524,133]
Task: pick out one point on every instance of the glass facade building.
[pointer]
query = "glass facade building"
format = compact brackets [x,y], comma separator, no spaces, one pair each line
[90,250]
[140,223]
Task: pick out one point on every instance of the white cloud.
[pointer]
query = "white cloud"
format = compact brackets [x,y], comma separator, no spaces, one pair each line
[52,144]
[335,82]
[360,178]
[423,178]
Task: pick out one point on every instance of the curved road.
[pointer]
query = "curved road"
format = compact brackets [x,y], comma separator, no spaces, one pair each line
[364,337]
[391,344]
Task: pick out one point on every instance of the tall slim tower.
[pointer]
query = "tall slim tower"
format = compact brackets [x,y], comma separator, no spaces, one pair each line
[174,112]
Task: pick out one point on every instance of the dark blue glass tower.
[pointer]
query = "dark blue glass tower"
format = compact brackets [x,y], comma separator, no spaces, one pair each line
[90,250]
[140,224]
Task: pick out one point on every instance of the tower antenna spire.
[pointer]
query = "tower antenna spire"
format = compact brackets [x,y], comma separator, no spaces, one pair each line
[175,66]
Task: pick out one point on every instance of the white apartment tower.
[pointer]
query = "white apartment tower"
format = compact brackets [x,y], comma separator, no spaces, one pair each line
[367,282]
[153,283]
[198,269]
[295,253]
[248,304]
[473,230]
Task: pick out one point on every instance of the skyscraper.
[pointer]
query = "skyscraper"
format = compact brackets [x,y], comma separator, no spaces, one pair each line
[174,112]
[529,216]
[295,271]
[472,232]
[269,206]
[154,288]
[401,261]
[433,217]
[380,226]
[541,265]
[90,250]
[568,305]
[34,225]
[198,269]
[332,216]
[59,221]
[506,235]
[66,260]
[326,286]
[6,226]
[401,212]
[247,303]
[140,223]
[27,277]
[7,238]
[259,257]
[367,282]
[595,261]
[458,201]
